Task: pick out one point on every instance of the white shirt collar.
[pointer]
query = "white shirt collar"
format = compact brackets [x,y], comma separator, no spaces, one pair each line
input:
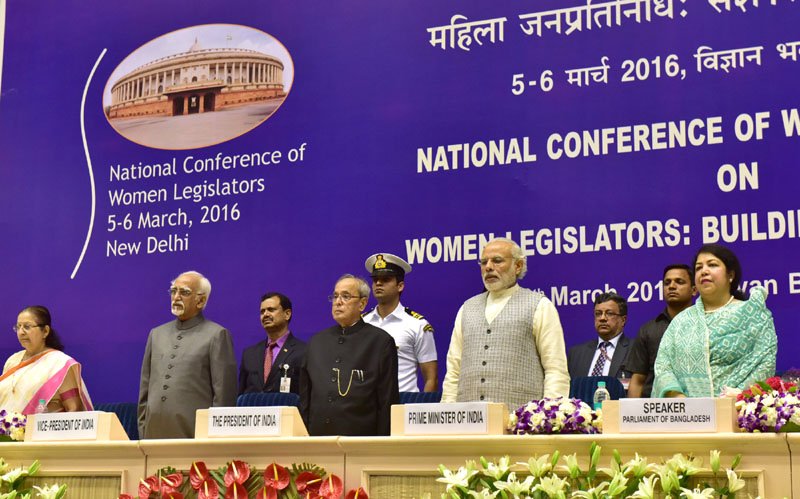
[613,340]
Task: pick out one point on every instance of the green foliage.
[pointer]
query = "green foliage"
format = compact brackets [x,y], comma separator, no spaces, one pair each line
[12,484]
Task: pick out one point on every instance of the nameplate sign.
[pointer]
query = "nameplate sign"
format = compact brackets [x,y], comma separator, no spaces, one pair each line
[684,415]
[462,418]
[244,421]
[64,426]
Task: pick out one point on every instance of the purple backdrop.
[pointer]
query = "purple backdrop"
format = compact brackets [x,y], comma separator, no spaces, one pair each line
[370,95]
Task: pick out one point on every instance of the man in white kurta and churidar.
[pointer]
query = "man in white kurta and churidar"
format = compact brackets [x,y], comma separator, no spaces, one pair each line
[507,344]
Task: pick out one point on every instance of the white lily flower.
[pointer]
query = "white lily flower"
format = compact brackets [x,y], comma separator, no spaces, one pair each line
[734,482]
[514,486]
[458,479]
[684,465]
[497,471]
[54,491]
[538,466]
[714,460]
[669,479]
[483,494]
[553,486]
[593,493]
[12,475]
[618,484]
[572,464]
[638,466]
[647,488]
[698,494]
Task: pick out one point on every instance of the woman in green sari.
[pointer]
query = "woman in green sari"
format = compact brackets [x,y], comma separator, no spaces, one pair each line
[724,341]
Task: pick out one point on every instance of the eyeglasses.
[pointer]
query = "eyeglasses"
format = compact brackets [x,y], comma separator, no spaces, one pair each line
[184,292]
[600,313]
[345,297]
[25,327]
[498,260]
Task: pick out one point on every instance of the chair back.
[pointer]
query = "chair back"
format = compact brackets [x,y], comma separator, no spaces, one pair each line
[583,388]
[268,399]
[126,413]
[420,397]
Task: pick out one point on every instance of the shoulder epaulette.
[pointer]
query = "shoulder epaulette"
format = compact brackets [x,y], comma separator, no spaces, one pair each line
[413,314]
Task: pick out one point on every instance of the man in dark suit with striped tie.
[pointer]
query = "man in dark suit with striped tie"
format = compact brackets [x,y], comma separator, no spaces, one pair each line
[606,355]
[278,356]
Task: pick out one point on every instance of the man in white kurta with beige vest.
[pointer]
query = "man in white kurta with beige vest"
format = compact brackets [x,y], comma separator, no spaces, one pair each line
[507,344]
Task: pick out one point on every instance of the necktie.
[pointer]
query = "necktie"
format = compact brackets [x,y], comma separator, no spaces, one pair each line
[268,360]
[601,359]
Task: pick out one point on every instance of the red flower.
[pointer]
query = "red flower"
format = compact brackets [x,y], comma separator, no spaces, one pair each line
[331,487]
[125,496]
[170,483]
[236,491]
[198,474]
[208,489]
[267,492]
[238,472]
[276,476]
[775,383]
[146,486]
[172,495]
[358,493]
[308,482]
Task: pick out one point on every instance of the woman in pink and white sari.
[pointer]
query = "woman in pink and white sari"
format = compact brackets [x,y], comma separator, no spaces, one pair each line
[41,371]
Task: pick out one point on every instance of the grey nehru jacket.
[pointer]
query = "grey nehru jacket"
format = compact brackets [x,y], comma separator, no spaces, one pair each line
[500,362]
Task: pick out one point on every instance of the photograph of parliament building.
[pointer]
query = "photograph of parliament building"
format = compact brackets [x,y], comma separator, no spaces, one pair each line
[197,81]
[143,104]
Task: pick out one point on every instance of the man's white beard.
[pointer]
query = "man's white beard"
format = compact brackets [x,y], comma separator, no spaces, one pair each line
[500,284]
[177,309]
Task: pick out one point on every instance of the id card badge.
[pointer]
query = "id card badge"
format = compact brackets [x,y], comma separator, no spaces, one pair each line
[286,381]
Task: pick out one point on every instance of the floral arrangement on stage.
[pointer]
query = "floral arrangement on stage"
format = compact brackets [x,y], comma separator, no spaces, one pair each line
[542,477]
[12,426]
[238,480]
[11,483]
[771,405]
[555,415]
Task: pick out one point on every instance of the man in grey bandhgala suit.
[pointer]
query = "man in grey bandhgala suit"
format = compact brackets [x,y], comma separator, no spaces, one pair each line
[188,364]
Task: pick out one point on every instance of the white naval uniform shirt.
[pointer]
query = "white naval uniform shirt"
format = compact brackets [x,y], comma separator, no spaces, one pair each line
[414,344]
